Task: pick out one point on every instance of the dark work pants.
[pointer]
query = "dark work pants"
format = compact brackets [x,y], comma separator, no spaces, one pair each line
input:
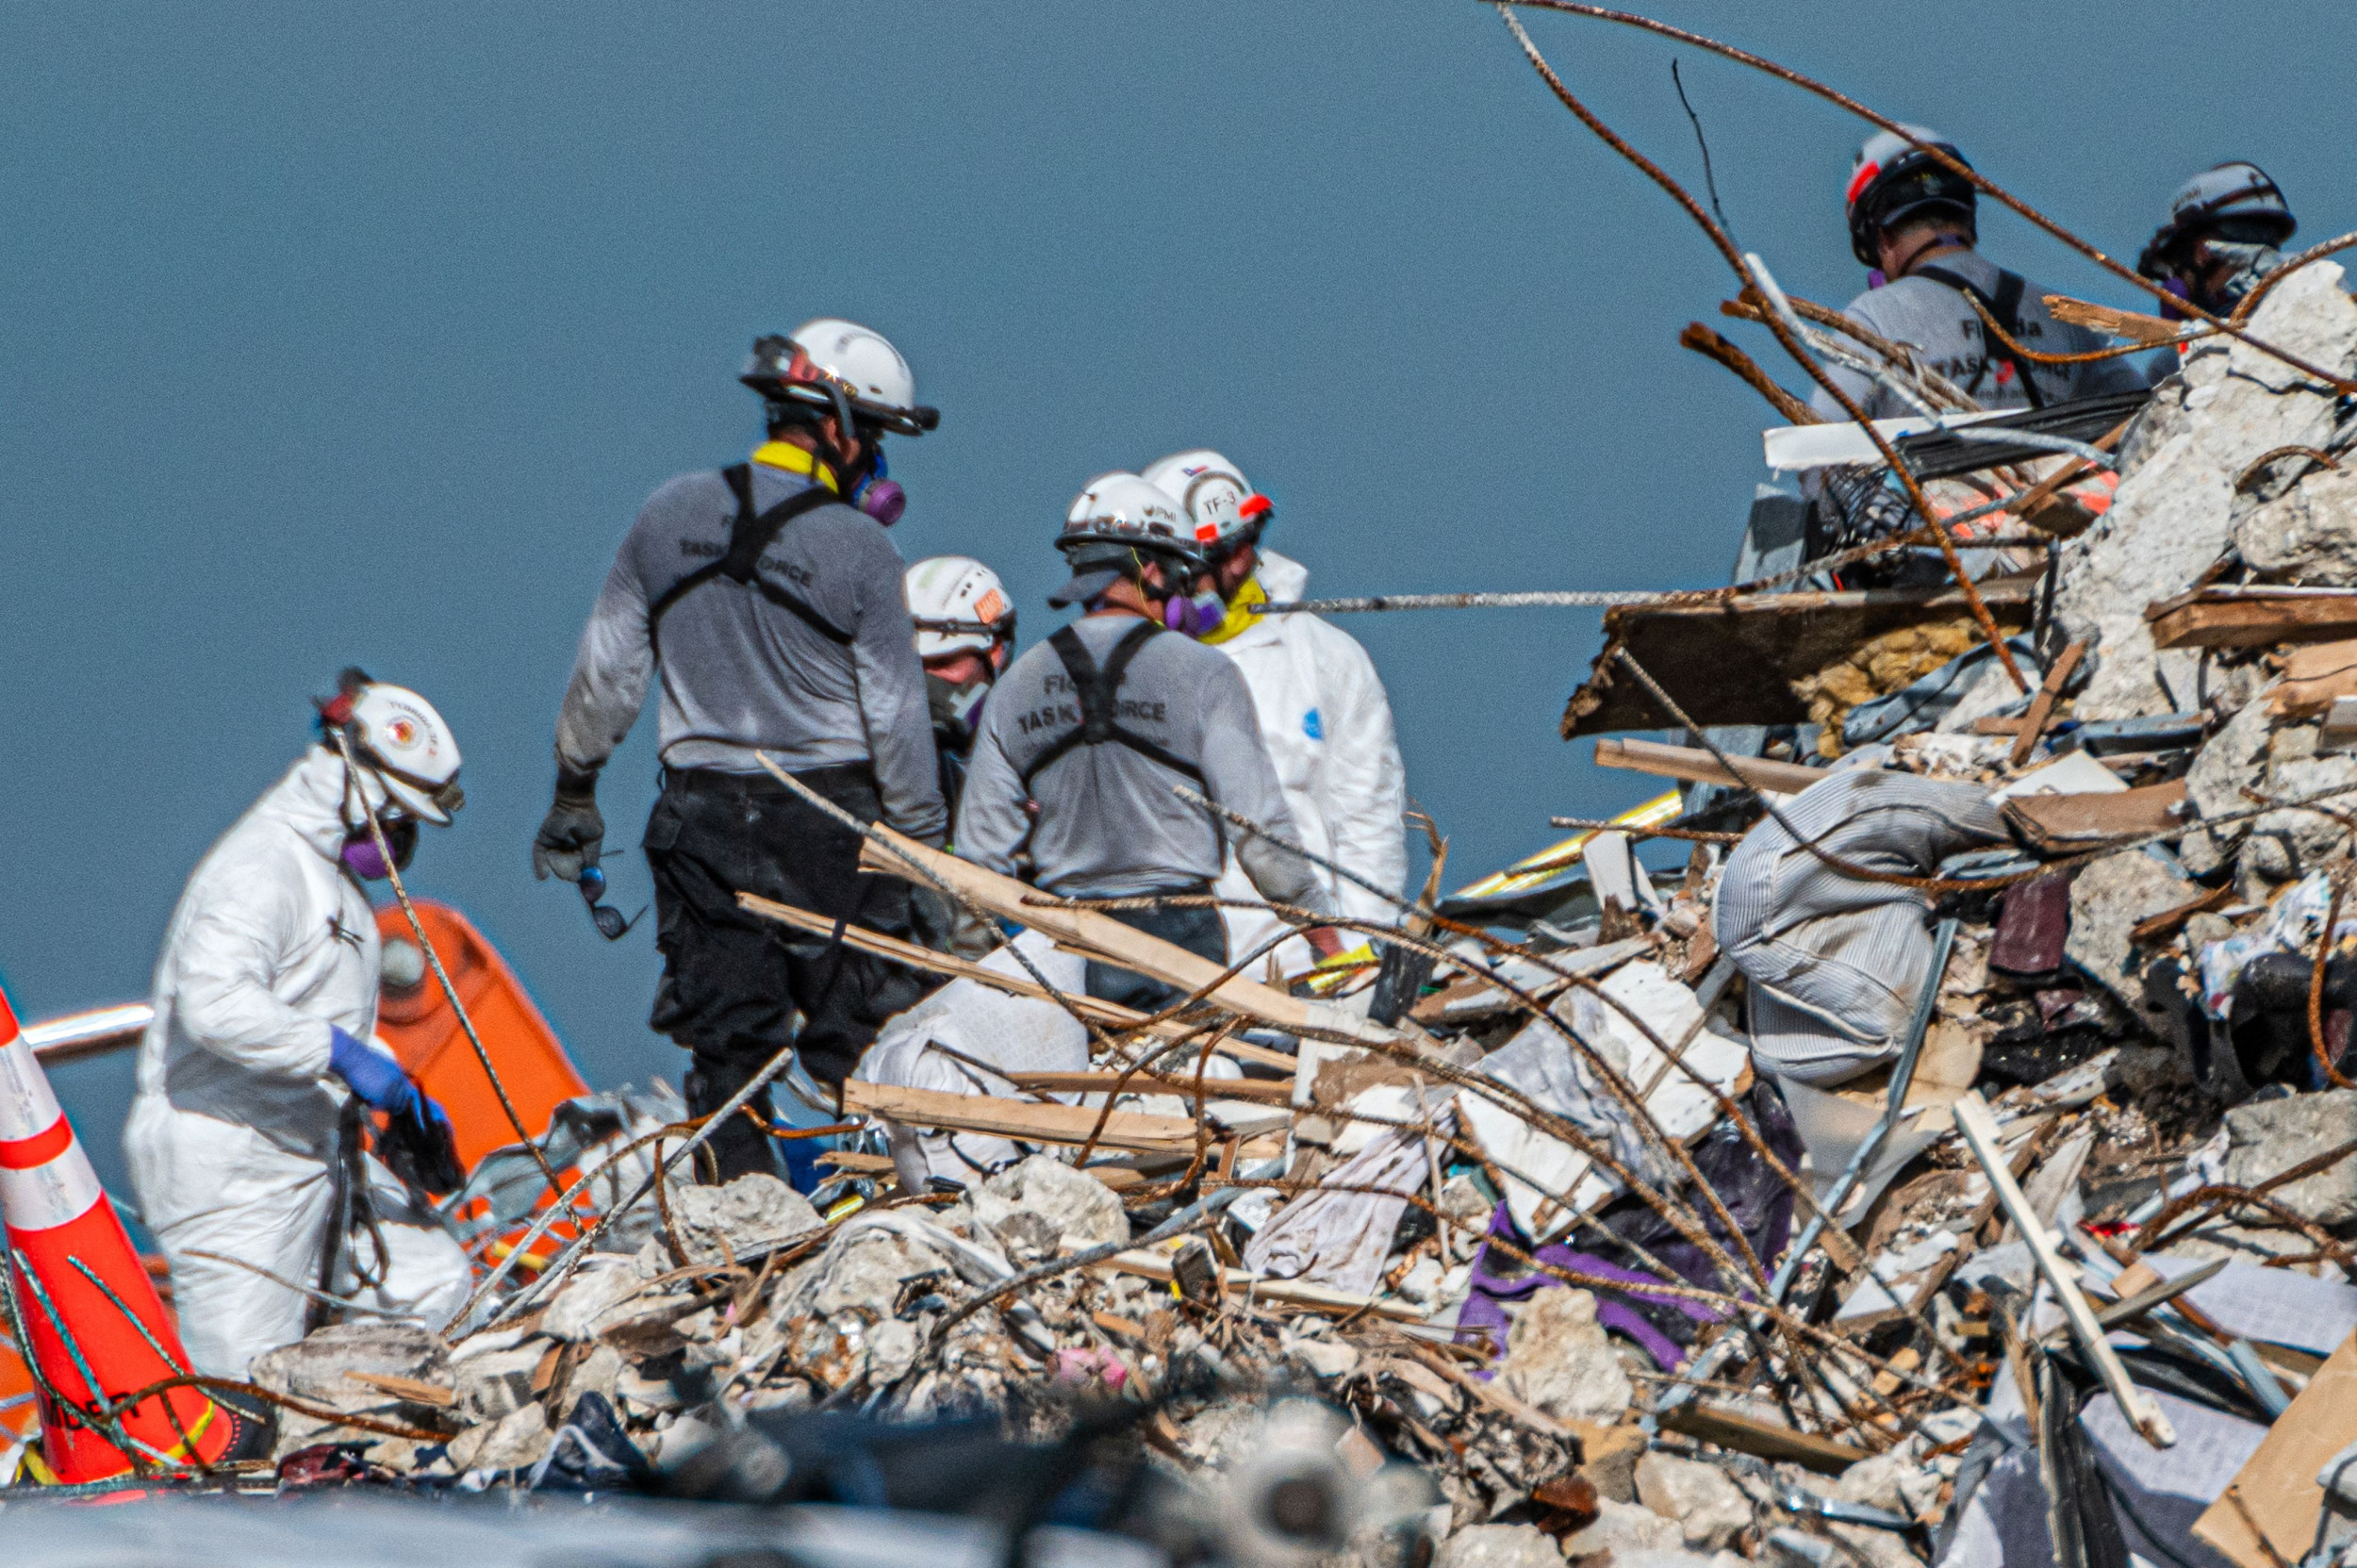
[1199,929]
[730,979]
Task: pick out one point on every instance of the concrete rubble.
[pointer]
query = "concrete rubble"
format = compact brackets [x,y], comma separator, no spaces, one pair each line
[1445,1221]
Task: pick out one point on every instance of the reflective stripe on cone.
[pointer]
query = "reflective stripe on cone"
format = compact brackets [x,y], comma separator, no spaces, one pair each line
[86,1315]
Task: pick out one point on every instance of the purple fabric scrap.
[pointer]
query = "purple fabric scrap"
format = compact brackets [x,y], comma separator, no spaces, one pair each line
[1483,1319]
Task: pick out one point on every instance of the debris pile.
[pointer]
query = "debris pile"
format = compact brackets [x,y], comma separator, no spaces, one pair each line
[1952,1158]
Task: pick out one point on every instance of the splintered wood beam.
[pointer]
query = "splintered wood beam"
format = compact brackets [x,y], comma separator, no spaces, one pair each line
[2131,325]
[1048,1123]
[2043,706]
[2208,619]
[1696,766]
[896,854]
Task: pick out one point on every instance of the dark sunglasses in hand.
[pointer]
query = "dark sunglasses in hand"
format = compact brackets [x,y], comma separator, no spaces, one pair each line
[610,922]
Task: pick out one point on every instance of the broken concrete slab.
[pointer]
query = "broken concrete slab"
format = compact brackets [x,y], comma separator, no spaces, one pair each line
[1710,1508]
[2310,532]
[1559,1358]
[2276,1135]
[1499,1546]
[314,1369]
[1080,1208]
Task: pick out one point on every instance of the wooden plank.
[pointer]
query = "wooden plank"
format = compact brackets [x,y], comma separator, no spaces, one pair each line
[2066,822]
[1759,1439]
[884,849]
[2276,1489]
[1980,1135]
[1734,661]
[857,1165]
[2210,619]
[1697,765]
[409,1389]
[2161,927]
[2043,706]
[1273,1091]
[1110,1014]
[1048,1123]
[918,956]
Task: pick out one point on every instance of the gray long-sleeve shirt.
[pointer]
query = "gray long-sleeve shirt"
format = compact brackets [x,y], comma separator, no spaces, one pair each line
[1108,825]
[741,672]
[1942,323]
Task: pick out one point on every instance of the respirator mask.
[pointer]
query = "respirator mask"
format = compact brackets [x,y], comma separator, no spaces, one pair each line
[956,709]
[1195,615]
[880,498]
[363,859]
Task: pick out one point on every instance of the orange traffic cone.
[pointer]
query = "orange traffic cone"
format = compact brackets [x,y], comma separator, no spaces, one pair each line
[84,1311]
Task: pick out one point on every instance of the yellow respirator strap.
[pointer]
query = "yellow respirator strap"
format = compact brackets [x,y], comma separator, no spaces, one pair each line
[1239,611]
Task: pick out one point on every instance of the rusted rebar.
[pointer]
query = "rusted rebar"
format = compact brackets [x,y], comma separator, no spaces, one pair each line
[1958,166]
[1752,273]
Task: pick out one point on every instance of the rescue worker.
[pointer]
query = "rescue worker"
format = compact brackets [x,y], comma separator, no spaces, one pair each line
[964,636]
[2224,232]
[768,598]
[1097,724]
[1912,220]
[265,1001]
[1323,712]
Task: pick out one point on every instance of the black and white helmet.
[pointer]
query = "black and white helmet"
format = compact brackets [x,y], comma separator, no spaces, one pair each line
[1892,180]
[2234,201]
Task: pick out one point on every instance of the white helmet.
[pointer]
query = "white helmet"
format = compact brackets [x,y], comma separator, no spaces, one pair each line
[408,760]
[844,368]
[1218,500]
[958,605]
[1114,518]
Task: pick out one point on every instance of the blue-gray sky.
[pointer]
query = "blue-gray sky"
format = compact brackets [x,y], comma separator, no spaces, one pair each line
[356,335]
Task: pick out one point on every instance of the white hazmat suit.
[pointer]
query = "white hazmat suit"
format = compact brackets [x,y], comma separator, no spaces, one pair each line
[233,1132]
[1328,726]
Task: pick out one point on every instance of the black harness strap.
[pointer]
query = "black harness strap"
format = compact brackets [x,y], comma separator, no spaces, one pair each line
[1099,694]
[2004,306]
[749,536]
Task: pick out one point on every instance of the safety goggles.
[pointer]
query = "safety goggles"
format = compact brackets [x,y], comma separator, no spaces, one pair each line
[608,919]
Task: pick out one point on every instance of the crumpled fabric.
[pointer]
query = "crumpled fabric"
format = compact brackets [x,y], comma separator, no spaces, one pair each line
[1007,1032]
[1664,1325]
[1340,1238]
[1542,1062]
[591,1452]
[1835,961]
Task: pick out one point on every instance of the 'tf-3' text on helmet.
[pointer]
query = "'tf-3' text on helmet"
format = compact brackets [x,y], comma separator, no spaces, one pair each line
[1224,511]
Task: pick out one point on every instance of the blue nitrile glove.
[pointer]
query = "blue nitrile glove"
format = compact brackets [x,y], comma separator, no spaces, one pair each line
[375,1077]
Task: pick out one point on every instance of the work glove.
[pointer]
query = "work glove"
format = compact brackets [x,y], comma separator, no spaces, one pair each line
[374,1076]
[420,1149]
[572,833]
